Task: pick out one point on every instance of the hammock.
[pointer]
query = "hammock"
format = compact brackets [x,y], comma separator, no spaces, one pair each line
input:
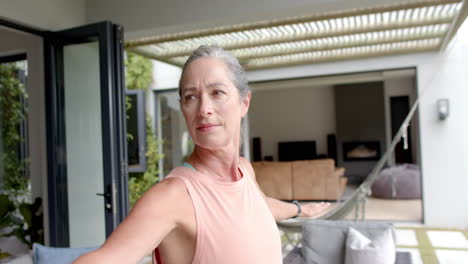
[357,201]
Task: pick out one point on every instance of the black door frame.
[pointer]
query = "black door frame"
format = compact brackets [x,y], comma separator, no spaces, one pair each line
[110,37]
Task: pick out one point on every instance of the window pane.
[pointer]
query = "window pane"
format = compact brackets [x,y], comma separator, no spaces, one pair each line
[132,131]
[85,172]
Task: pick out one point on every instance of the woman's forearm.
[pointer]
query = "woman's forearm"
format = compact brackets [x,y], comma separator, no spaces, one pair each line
[281,210]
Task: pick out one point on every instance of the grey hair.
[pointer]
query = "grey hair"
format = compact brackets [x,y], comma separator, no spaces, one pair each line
[235,69]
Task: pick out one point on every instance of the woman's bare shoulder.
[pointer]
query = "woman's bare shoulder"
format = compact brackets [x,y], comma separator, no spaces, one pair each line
[169,191]
[172,185]
[246,164]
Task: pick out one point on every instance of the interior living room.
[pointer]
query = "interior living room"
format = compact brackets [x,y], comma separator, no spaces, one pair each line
[329,117]
[358,103]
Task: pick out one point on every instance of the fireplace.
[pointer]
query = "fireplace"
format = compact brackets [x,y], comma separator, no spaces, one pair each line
[361,150]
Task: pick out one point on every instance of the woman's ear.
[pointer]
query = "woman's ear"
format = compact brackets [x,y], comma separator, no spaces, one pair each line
[246,103]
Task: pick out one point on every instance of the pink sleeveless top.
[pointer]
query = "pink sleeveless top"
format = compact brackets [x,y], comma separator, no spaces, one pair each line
[234,222]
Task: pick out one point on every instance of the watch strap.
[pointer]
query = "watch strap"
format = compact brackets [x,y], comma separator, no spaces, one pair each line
[299,208]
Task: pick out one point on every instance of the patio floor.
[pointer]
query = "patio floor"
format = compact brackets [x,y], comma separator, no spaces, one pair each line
[427,245]
[389,209]
[393,210]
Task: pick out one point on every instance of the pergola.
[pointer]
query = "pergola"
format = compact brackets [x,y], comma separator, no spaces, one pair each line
[415,26]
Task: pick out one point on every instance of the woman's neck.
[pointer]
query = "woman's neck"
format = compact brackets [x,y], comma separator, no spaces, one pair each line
[223,164]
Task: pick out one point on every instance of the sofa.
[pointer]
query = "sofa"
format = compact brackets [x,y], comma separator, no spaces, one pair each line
[48,255]
[347,242]
[301,180]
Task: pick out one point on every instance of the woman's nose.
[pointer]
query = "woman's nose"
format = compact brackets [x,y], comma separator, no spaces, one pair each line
[206,106]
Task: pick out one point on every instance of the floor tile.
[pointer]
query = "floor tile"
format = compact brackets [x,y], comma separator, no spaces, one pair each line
[406,237]
[452,256]
[447,239]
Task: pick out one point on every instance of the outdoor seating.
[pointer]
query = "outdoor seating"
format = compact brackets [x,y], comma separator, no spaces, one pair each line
[331,242]
[50,255]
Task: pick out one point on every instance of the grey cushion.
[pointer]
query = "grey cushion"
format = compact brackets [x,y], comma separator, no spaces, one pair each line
[362,250]
[52,255]
[403,258]
[323,241]
[294,257]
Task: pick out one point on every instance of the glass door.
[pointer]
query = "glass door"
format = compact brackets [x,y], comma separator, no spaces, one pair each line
[86,134]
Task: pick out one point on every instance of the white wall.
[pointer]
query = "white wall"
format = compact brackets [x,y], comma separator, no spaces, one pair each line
[165,76]
[149,17]
[45,14]
[13,42]
[294,114]
[444,144]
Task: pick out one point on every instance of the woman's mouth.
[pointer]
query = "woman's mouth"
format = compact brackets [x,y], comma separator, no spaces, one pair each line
[206,127]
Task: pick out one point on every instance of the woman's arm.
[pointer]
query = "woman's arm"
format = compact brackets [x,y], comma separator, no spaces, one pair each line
[155,214]
[283,210]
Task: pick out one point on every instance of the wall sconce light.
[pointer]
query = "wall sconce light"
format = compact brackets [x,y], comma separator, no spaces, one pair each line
[443,108]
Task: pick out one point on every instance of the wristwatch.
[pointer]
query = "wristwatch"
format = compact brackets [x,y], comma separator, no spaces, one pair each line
[299,208]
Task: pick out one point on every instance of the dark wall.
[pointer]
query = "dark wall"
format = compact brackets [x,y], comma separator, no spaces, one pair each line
[360,116]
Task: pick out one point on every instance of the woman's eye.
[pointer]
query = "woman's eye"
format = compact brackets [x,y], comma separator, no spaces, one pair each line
[218,93]
[190,97]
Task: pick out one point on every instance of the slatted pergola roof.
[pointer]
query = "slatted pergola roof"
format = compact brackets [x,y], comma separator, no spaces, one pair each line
[395,29]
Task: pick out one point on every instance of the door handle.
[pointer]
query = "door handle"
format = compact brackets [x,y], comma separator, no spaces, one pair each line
[107,199]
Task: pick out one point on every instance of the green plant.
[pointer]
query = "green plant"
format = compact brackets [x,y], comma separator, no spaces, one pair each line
[18,217]
[139,72]
[12,113]
[23,221]
[139,183]
[139,75]
[4,254]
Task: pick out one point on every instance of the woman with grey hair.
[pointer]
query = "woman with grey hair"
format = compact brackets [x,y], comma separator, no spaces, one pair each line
[210,210]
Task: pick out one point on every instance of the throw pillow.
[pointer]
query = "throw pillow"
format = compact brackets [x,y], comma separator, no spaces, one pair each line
[324,241]
[361,250]
[52,255]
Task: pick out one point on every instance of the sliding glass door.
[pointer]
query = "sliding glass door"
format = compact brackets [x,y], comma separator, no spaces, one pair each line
[86,134]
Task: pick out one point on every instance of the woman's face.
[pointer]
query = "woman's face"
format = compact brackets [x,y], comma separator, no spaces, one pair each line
[211,104]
